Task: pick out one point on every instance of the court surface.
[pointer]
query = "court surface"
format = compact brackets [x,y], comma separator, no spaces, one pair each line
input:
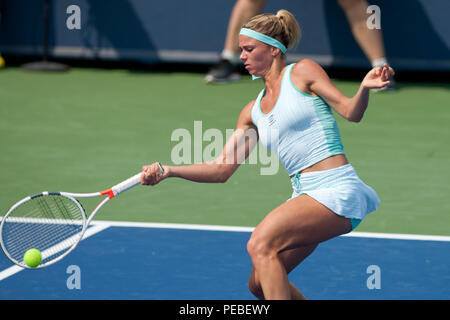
[176,262]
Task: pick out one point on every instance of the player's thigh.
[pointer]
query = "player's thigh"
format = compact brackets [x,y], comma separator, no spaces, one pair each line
[299,222]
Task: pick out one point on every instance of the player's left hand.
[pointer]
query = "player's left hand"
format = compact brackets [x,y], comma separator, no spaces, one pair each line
[378,77]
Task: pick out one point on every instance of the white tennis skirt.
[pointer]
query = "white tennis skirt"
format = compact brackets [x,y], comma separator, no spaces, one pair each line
[339,189]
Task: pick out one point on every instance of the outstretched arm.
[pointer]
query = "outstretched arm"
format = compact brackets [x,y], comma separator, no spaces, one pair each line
[236,150]
[316,80]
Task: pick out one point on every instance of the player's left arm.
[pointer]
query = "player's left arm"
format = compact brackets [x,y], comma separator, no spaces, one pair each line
[352,109]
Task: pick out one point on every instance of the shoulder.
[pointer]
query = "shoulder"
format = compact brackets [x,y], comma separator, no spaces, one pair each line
[247,110]
[245,117]
[249,106]
[305,73]
[306,68]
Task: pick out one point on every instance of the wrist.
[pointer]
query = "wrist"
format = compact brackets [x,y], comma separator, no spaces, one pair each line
[168,172]
[364,87]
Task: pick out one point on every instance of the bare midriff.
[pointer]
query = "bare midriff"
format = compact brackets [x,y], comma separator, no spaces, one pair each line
[327,164]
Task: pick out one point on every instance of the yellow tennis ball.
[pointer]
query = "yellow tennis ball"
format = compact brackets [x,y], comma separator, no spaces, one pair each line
[2,62]
[32,258]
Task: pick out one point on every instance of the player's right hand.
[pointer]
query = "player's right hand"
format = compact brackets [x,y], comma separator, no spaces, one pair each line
[152,174]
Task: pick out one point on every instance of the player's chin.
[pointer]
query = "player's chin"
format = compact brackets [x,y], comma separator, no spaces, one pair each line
[251,70]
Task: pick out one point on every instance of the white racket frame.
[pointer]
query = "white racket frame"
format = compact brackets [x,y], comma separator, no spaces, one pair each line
[111,193]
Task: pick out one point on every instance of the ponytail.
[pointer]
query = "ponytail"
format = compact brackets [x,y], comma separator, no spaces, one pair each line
[292,31]
[283,26]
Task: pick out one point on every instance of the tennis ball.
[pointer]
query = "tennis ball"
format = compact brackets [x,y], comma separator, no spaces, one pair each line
[32,258]
[2,62]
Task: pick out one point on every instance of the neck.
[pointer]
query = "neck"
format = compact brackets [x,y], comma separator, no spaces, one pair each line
[274,74]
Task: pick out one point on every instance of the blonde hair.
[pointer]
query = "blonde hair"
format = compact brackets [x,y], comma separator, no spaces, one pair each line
[281,26]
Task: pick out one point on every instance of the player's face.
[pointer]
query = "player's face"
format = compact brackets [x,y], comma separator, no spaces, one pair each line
[257,56]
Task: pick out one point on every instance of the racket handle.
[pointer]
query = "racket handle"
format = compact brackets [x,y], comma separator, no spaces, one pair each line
[127,184]
[130,182]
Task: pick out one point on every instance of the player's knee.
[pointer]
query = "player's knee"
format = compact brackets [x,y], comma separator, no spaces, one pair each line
[259,247]
[253,247]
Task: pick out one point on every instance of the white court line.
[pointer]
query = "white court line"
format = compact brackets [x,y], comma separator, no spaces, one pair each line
[397,236]
[15,268]
[158,225]
[376,235]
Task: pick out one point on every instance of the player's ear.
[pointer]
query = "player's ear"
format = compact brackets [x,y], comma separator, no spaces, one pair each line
[275,51]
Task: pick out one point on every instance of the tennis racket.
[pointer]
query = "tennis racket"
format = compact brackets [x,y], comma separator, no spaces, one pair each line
[52,222]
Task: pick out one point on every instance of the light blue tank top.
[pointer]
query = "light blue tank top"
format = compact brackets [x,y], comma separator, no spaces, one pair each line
[300,128]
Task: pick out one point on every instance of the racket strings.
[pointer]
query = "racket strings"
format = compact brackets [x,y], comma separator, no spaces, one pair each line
[49,223]
[63,210]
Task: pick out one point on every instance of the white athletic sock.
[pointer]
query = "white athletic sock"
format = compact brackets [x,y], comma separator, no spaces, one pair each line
[230,56]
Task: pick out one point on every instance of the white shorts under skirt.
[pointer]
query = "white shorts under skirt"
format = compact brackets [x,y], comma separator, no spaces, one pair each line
[339,189]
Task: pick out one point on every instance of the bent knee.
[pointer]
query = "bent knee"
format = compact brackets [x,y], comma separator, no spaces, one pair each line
[259,247]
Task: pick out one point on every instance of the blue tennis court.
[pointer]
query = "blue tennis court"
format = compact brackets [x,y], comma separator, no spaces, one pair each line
[145,262]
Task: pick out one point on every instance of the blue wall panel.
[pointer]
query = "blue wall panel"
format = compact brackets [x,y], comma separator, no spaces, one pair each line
[416,32]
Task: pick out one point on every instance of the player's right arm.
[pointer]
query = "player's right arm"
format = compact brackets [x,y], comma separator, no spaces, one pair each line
[236,150]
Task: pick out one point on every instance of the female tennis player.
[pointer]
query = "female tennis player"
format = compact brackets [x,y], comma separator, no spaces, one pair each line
[328,199]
